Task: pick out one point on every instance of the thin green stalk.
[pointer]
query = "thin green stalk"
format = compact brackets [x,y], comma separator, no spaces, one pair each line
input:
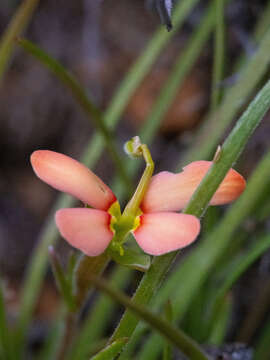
[178,74]
[219,53]
[80,94]
[231,150]
[36,269]
[235,98]
[17,25]
[176,336]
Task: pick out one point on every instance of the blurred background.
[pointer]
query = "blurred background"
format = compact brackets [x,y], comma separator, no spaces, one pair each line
[98,41]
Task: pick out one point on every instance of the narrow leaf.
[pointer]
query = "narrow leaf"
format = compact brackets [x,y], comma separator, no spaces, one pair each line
[111,350]
[177,337]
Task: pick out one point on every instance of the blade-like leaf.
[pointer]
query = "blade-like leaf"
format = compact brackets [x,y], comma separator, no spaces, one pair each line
[111,350]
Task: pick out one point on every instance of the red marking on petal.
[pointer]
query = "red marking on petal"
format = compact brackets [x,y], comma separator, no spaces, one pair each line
[160,233]
[85,229]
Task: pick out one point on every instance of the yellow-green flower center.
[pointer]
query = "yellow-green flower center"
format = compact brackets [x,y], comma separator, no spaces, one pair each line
[122,224]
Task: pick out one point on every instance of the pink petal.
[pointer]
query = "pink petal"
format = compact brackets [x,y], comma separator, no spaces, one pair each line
[172,192]
[160,233]
[85,229]
[68,175]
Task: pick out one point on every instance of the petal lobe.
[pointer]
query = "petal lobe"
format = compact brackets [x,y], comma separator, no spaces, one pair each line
[160,233]
[172,192]
[85,229]
[70,176]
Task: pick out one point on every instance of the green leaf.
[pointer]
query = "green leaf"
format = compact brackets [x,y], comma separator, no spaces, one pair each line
[132,259]
[111,350]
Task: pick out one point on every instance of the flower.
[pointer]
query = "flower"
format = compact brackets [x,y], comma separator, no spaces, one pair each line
[155,226]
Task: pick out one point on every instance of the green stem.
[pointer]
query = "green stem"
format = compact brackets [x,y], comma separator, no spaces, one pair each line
[17,25]
[232,148]
[177,337]
[83,99]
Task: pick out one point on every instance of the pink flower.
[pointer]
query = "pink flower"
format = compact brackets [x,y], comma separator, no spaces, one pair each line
[156,228]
